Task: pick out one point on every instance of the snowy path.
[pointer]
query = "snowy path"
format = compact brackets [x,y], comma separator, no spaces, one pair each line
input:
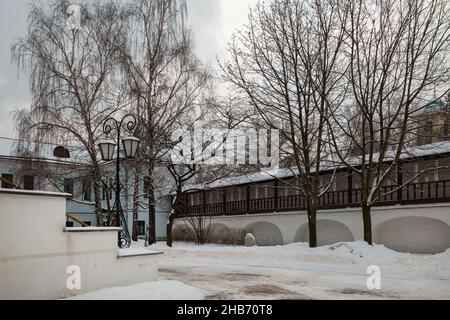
[297,272]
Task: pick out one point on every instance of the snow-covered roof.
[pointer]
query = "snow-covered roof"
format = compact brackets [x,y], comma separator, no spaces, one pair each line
[439,148]
[40,151]
[253,177]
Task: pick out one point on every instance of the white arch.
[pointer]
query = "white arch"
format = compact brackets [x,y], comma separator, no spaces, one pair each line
[328,232]
[414,235]
[219,233]
[266,233]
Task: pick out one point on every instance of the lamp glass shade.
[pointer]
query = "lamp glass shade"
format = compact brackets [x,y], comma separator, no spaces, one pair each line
[131,146]
[107,148]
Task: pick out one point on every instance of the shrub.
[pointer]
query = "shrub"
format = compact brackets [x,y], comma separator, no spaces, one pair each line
[228,236]
[224,236]
[183,234]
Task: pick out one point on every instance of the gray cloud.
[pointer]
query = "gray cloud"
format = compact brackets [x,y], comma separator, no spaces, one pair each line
[204,18]
[14,93]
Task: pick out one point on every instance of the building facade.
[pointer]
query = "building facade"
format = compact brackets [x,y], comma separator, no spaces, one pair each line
[47,172]
[268,205]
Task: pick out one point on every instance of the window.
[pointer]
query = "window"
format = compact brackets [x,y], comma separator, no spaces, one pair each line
[7,181]
[87,223]
[28,182]
[61,152]
[446,129]
[141,228]
[68,186]
[428,132]
[87,190]
[69,224]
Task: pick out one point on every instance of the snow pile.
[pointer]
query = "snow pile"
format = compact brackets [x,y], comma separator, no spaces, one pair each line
[140,245]
[156,290]
[358,252]
[346,250]
[380,255]
[138,251]
[437,263]
[360,249]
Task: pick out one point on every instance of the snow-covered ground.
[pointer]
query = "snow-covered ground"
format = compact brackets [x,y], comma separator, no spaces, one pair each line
[156,290]
[287,272]
[297,272]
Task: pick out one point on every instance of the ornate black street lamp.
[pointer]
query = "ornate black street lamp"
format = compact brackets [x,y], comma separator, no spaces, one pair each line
[130,146]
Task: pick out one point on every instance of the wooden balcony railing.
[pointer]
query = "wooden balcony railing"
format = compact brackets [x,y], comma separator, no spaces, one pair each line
[413,193]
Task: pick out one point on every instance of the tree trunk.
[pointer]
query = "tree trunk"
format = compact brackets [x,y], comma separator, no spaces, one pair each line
[176,206]
[136,204]
[367,222]
[97,198]
[312,226]
[151,236]
[169,240]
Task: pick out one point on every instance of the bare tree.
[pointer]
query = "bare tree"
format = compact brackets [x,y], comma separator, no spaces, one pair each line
[180,176]
[71,56]
[223,115]
[397,52]
[164,77]
[200,227]
[286,64]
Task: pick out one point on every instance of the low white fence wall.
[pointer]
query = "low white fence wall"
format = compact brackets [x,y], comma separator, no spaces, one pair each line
[37,251]
[410,228]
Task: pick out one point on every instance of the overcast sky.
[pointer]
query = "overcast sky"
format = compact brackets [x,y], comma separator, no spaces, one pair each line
[212,23]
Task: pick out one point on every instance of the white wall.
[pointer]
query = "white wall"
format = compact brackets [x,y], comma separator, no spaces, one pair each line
[36,249]
[81,211]
[410,228]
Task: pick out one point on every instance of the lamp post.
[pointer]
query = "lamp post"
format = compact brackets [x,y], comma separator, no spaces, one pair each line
[130,146]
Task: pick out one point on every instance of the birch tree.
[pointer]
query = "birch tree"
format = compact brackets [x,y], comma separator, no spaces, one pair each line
[163,75]
[71,55]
